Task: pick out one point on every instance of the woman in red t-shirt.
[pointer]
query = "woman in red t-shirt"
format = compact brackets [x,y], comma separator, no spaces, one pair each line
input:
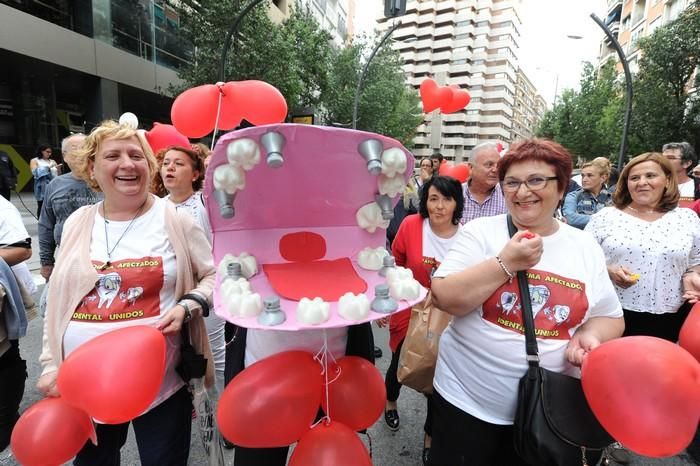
[420,244]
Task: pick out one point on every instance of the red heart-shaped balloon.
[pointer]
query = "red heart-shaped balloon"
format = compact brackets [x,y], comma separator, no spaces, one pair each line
[330,443]
[116,376]
[459,171]
[459,98]
[162,136]
[357,409]
[689,337]
[432,95]
[193,112]
[51,432]
[273,402]
[645,392]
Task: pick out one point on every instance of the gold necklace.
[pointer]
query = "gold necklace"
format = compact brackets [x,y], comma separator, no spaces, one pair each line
[108,264]
[637,211]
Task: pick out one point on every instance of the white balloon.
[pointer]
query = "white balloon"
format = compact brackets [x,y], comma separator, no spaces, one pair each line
[129,119]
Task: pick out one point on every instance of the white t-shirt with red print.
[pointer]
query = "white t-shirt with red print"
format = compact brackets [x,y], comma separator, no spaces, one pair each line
[136,290]
[482,355]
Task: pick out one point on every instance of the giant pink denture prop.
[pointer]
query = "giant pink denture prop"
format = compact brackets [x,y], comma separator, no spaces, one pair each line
[297,214]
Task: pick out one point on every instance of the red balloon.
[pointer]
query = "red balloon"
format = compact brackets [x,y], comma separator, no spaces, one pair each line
[460,171]
[645,392]
[231,111]
[260,103]
[330,443]
[194,111]
[459,98]
[116,376]
[51,432]
[689,338]
[162,136]
[272,402]
[433,96]
[354,407]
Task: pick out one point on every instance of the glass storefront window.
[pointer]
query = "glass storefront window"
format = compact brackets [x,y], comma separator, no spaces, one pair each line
[70,14]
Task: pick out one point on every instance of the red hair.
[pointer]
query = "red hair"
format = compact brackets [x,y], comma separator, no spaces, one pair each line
[540,150]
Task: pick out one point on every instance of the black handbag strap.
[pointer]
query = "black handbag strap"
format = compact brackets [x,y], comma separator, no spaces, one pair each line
[531,349]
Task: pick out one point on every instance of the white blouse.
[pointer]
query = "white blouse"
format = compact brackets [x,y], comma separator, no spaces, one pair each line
[659,251]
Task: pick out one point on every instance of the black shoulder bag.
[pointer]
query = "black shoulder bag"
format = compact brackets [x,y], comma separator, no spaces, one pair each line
[553,426]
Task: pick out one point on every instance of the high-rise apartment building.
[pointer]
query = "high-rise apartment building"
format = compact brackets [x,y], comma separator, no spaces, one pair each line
[630,20]
[470,43]
[335,16]
[528,110]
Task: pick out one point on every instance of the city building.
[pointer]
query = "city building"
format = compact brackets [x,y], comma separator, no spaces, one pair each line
[66,66]
[528,110]
[470,43]
[335,16]
[630,20]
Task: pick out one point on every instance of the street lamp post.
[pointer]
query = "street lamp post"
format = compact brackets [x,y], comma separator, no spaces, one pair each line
[628,89]
[229,36]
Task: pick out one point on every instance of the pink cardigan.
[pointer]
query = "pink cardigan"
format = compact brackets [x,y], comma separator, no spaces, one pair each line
[74,277]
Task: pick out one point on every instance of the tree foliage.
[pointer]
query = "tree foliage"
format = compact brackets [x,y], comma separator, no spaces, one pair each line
[589,121]
[299,59]
[386,105]
[663,110]
[585,121]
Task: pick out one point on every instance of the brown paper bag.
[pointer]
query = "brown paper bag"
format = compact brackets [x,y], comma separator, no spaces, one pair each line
[420,348]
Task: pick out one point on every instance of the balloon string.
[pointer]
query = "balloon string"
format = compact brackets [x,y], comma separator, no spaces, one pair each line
[322,357]
[218,115]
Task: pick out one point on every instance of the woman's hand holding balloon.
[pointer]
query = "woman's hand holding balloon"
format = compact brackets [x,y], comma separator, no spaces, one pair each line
[582,343]
[171,321]
[691,286]
[47,384]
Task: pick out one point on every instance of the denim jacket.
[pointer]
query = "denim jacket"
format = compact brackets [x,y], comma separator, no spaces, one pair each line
[579,205]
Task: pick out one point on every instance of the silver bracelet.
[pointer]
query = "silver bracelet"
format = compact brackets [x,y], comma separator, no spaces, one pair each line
[505,270]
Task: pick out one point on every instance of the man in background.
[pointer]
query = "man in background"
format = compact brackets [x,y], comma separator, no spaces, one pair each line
[64,195]
[482,192]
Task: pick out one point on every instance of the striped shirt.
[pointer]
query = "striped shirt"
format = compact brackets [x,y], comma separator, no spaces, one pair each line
[494,204]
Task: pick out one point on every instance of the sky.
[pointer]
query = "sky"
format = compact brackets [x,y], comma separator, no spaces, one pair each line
[551,60]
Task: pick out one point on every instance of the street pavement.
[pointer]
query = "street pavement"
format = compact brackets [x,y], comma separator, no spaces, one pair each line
[401,448]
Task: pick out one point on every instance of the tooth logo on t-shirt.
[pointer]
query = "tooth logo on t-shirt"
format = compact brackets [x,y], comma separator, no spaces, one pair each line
[559,305]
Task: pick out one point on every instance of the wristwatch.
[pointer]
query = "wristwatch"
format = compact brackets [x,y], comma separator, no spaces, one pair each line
[188,311]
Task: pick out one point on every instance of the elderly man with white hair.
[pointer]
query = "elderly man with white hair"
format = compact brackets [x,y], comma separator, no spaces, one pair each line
[482,193]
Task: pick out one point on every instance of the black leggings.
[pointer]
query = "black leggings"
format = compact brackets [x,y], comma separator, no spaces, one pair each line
[13,372]
[666,326]
[460,439]
[393,388]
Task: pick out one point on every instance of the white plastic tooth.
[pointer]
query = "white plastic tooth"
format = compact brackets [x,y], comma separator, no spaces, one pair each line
[244,305]
[313,311]
[371,258]
[392,186]
[243,153]
[229,178]
[249,265]
[397,274]
[393,162]
[232,287]
[406,289]
[353,307]
[369,217]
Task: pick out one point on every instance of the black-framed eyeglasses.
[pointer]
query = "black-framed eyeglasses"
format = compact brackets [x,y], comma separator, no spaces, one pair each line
[534,183]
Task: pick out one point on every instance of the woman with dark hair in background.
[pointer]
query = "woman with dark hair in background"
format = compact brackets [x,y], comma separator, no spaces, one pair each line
[44,169]
[422,241]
